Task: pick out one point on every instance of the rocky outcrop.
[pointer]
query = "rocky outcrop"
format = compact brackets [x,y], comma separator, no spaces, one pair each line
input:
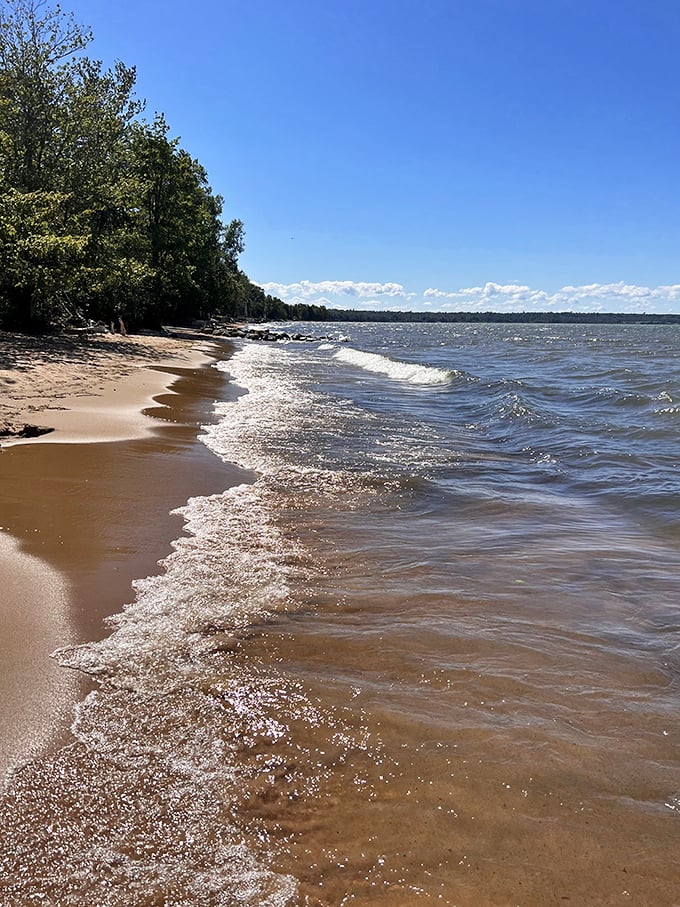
[266,334]
[248,332]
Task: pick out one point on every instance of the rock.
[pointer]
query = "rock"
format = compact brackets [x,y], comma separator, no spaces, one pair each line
[221,326]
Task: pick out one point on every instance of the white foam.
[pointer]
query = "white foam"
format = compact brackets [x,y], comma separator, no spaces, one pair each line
[395,368]
[255,434]
[175,711]
[204,583]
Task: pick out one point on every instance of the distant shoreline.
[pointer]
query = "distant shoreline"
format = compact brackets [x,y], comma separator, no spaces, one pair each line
[358,315]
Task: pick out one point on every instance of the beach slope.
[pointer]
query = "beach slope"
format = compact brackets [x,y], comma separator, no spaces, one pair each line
[85,507]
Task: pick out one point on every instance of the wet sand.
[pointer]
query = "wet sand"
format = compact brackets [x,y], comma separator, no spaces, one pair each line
[86,509]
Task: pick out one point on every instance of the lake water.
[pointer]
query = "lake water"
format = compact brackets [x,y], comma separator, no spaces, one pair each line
[429,656]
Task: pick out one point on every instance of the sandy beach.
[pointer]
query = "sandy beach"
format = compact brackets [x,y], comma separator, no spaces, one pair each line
[85,508]
[89,388]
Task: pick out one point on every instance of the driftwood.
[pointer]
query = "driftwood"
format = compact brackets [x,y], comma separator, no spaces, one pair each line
[22,430]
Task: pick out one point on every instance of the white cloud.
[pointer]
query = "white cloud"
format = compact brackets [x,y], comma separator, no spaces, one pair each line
[491,296]
[307,289]
[510,297]
[620,293]
[612,297]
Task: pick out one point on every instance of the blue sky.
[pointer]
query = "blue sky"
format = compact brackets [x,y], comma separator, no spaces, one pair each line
[469,154]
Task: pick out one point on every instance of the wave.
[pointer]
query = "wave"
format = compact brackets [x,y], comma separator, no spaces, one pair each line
[397,369]
[166,749]
[514,407]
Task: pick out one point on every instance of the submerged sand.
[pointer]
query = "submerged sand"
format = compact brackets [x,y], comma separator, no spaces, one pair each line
[80,520]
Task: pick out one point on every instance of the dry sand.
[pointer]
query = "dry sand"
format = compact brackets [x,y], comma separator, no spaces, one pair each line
[80,520]
[88,388]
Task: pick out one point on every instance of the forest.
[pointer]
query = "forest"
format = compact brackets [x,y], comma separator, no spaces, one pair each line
[103,215]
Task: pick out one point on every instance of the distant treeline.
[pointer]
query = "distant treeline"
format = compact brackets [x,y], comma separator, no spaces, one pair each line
[267,308]
[102,215]
[500,317]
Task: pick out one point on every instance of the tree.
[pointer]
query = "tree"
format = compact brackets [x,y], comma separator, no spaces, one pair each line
[101,214]
[63,126]
[37,68]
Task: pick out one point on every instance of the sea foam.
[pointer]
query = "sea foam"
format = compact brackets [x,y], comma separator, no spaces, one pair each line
[395,368]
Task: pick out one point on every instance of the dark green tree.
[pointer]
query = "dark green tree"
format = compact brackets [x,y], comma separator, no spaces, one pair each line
[191,258]
[101,215]
[63,125]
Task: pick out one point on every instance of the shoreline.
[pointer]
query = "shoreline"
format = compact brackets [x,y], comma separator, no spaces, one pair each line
[86,509]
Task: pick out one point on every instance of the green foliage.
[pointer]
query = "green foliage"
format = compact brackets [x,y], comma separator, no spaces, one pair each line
[101,214]
[42,251]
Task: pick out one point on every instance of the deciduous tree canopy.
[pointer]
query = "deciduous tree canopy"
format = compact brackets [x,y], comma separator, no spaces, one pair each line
[102,214]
